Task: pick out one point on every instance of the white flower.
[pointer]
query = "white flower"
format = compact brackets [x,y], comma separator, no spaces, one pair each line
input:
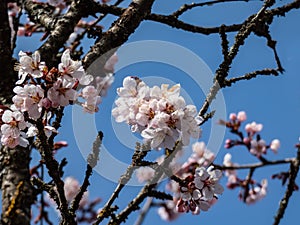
[30,65]
[32,131]
[29,99]
[90,94]
[71,69]
[160,114]
[275,145]
[253,127]
[207,182]
[62,93]
[12,142]
[13,123]
[258,147]
[111,62]
[242,116]
[72,187]
[257,193]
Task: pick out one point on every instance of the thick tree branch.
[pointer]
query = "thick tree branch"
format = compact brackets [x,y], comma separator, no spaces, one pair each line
[63,28]
[41,14]
[119,32]
[7,75]
[17,192]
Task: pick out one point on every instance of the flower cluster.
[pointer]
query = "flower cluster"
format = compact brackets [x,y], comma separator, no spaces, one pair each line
[198,188]
[252,140]
[251,191]
[40,91]
[160,114]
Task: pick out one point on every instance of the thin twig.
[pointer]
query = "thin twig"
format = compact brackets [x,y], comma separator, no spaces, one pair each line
[92,161]
[187,7]
[248,76]
[254,165]
[144,211]
[139,154]
[294,168]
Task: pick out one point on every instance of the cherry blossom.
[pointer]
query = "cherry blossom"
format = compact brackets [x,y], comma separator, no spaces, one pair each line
[110,63]
[71,69]
[30,66]
[90,94]
[160,114]
[253,127]
[12,142]
[13,123]
[62,93]
[258,147]
[257,193]
[275,145]
[207,182]
[29,99]
[242,116]
[201,155]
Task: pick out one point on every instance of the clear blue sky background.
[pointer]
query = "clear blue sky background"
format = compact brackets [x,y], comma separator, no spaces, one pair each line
[273,101]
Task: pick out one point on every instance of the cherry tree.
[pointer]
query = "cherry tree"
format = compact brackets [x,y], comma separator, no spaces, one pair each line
[73,64]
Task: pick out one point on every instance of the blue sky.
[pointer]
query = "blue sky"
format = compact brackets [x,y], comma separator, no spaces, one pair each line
[273,101]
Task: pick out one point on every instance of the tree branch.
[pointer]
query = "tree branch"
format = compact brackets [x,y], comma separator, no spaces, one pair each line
[254,165]
[294,168]
[187,7]
[119,32]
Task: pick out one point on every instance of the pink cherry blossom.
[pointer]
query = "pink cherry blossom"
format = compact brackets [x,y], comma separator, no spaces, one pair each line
[61,93]
[168,211]
[90,94]
[160,114]
[275,145]
[201,155]
[232,116]
[30,65]
[242,116]
[13,123]
[72,70]
[207,182]
[228,163]
[72,187]
[258,147]
[12,142]
[29,99]
[257,193]
[253,127]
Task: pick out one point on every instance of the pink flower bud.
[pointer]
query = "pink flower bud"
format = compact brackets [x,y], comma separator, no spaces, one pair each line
[232,116]
[275,145]
[242,116]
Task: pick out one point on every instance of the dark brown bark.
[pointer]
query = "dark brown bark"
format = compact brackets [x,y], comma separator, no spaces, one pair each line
[119,32]
[17,192]
[7,76]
